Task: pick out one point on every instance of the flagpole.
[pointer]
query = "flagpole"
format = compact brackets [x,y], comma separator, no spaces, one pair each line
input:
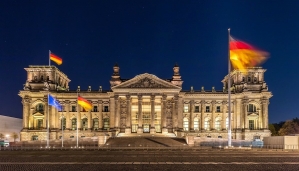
[77,121]
[48,132]
[62,117]
[229,133]
[49,58]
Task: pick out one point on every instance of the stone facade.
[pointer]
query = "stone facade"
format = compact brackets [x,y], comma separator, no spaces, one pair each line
[145,104]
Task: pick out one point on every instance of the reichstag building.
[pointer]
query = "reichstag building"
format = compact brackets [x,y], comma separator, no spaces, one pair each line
[145,104]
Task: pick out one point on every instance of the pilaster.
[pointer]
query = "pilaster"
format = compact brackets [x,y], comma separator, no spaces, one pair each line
[140,130]
[191,120]
[128,116]
[152,129]
[164,115]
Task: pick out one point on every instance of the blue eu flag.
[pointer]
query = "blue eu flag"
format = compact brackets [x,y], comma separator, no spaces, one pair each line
[53,102]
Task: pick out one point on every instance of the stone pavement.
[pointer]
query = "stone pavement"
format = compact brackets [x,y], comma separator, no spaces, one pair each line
[233,160]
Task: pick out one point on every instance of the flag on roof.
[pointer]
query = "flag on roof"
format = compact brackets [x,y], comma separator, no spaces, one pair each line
[244,55]
[55,58]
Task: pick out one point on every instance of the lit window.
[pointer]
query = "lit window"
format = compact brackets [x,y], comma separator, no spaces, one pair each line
[251,124]
[186,108]
[84,124]
[106,123]
[218,123]
[186,124]
[95,123]
[196,124]
[207,124]
[74,124]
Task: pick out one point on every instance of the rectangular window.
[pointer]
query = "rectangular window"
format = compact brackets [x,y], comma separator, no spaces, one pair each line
[74,109]
[106,109]
[186,108]
[207,108]
[196,109]
[95,108]
[251,124]
[218,109]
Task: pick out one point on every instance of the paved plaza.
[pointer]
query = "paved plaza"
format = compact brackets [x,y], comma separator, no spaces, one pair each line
[187,159]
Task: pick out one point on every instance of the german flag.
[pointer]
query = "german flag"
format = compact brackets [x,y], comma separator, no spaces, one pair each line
[243,55]
[84,103]
[55,58]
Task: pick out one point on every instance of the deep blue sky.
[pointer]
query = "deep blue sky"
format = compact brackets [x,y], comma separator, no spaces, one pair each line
[148,36]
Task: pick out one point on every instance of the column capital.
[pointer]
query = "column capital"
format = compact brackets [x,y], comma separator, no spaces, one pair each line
[176,97]
[139,97]
[100,101]
[164,96]
[128,97]
[153,97]
[202,102]
[224,102]
[116,97]
[26,99]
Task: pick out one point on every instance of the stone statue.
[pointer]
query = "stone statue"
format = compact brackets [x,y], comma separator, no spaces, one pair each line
[46,85]
[27,86]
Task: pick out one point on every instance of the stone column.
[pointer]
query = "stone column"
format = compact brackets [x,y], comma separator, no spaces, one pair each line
[100,116]
[265,103]
[213,117]
[112,113]
[140,130]
[128,116]
[180,113]
[224,111]
[238,114]
[117,111]
[31,119]
[26,112]
[246,122]
[191,120]
[67,115]
[202,119]
[164,116]
[152,130]
[175,113]
[46,112]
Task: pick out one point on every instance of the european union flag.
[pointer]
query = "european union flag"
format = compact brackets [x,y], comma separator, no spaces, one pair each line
[53,102]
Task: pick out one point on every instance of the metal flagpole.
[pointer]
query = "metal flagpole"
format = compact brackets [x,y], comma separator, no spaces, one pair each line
[229,133]
[62,117]
[48,123]
[77,121]
[49,58]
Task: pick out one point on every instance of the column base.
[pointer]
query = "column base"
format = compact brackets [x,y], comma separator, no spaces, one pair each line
[164,130]
[152,131]
[128,131]
[139,130]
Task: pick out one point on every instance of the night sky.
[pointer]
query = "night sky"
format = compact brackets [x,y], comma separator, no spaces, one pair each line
[148,36]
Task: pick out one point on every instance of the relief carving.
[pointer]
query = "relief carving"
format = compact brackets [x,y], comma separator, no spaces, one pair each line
[146,83]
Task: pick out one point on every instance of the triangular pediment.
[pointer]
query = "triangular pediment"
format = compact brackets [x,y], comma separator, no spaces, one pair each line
[146,81]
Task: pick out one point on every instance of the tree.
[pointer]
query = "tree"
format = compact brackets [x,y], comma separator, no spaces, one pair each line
[1,136]
[289,127]
[15,136]
[272,129]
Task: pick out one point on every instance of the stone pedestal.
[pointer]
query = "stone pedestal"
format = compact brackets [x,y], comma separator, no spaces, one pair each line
[152,131]
[128,131]
[139,131]
[164,131]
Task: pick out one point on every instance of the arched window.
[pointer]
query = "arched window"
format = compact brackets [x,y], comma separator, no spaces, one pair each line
[251,108]
[207,124]
[186,124]
[84,124]
[196,124]
[95,124]
[106,123]
[74,123]
[218,123]
[39,108]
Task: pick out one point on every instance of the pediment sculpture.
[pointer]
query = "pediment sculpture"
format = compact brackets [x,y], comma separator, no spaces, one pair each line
[146,83]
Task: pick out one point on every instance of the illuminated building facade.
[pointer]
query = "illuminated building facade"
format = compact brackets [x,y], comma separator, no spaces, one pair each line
[145,104]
